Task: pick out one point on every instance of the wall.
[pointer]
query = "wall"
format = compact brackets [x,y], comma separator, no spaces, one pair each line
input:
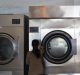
[21,6]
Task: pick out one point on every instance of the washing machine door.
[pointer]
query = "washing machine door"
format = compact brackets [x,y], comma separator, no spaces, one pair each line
[58,47]
[7,48]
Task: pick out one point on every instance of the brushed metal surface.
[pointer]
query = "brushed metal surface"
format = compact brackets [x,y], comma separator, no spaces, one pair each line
[6,20]
[54,11]
[65,74]
[17,32]
[32,35]
[5,73]
[11,72]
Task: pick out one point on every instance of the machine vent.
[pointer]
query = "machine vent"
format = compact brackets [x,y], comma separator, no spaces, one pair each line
[15,21]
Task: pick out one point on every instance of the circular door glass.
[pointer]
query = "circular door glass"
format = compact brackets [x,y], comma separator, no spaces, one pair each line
[57,47]
[6,48]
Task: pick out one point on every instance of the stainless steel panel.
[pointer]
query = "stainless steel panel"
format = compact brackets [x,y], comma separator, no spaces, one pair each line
[61,11]
[18,34]
[57,23]
[77,36]
[33,35]
[49,11]
[74,46]
[6,20]
[77,2]
[45,31]
[11,73]
[77,23]
[65,74]
[5,73]
[18,72]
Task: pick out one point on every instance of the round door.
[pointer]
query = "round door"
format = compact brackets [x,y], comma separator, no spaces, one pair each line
[7,48]
[58,47]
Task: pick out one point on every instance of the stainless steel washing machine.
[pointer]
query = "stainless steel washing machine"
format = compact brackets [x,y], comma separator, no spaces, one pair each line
[59,44]
[12,43]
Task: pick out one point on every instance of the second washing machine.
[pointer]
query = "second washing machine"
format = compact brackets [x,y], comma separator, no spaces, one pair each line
[58,38]
[59,45]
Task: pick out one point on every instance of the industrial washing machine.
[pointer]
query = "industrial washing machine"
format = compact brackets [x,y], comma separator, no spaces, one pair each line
[60,38]
[59,45]
[12,43]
